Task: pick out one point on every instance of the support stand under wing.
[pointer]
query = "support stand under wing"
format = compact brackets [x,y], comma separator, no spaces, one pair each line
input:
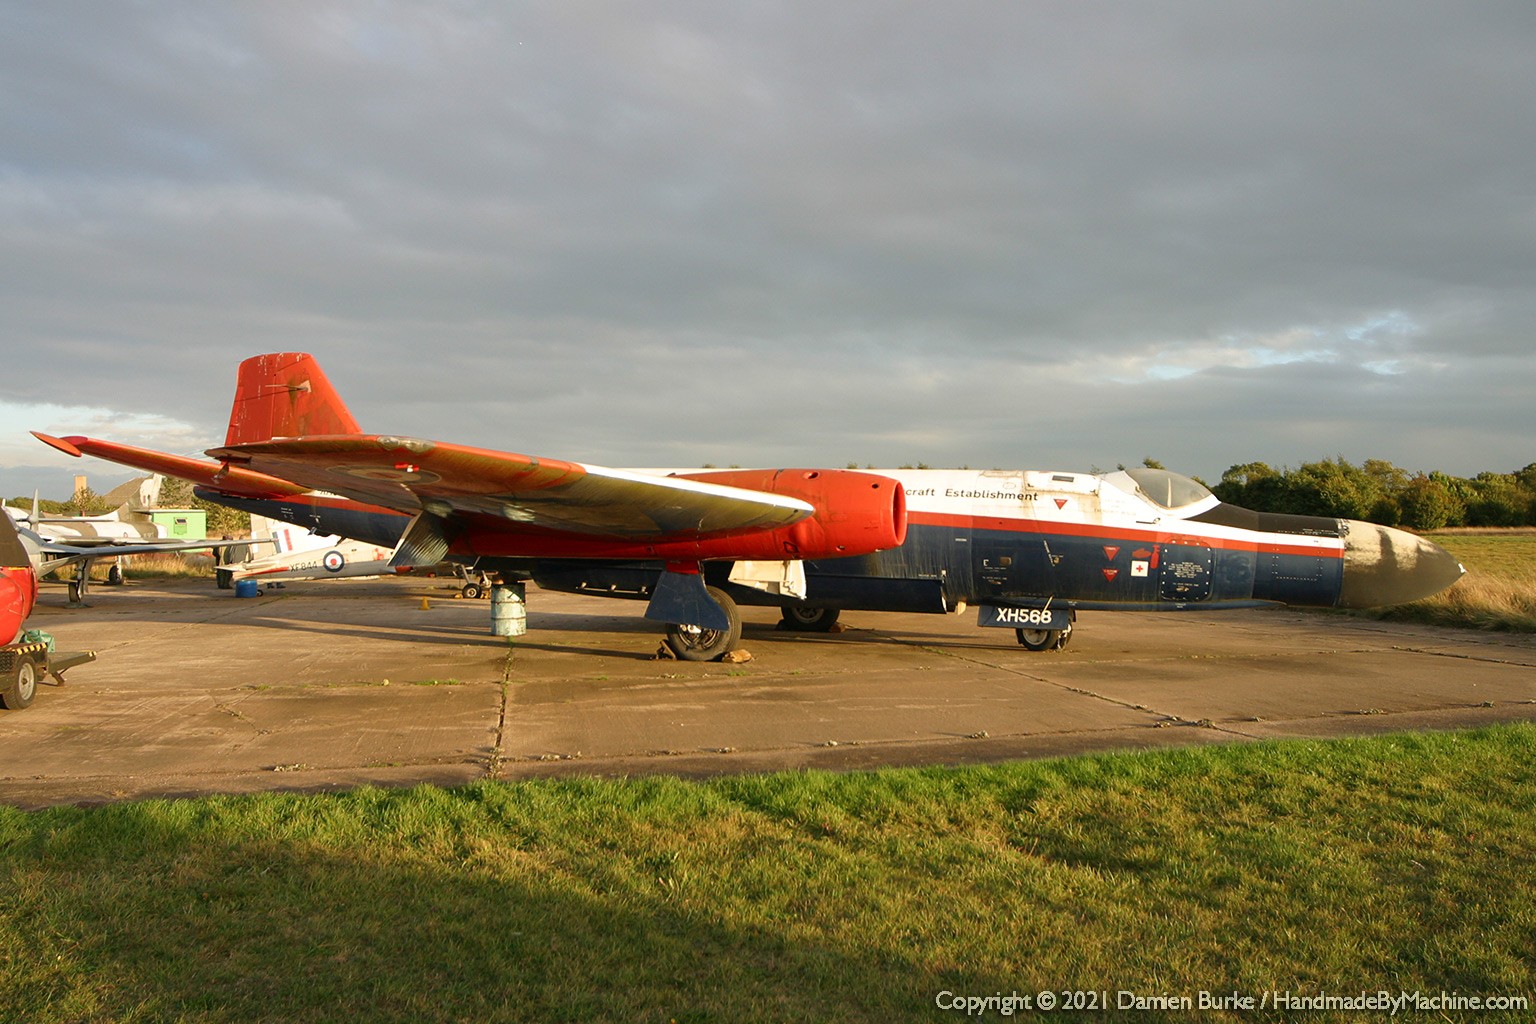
[425,542]
[681,598]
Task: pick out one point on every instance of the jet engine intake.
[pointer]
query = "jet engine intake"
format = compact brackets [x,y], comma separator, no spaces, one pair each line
[856,513]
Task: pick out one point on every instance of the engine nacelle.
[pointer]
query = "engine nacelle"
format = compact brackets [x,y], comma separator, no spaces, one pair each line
[856,513]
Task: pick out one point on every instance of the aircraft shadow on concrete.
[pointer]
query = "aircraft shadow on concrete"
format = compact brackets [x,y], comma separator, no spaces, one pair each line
[297,611]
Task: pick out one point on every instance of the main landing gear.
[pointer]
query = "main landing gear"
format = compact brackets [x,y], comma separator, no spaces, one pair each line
[695,643]
[811,620]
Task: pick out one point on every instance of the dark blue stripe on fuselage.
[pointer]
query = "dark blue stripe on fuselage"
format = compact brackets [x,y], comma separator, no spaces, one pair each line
[1010,566]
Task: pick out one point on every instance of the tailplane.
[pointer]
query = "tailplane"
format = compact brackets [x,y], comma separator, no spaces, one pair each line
[285,394]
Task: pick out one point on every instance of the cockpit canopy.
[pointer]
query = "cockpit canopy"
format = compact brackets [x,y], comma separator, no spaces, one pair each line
[1162,487]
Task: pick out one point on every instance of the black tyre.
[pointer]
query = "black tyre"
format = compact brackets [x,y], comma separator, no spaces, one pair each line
[694,643]
[114,575]
[472,590]
[1037,639]
[20,684]
[811,620]
[1044,639]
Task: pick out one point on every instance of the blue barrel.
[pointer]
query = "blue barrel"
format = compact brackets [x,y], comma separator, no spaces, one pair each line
[247,588]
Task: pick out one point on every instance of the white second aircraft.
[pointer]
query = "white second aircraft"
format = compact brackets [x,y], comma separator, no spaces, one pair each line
[55,544]
[301,555]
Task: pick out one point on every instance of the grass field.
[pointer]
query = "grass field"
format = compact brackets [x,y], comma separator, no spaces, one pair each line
[157,565]
[1395,863]
[1497,593]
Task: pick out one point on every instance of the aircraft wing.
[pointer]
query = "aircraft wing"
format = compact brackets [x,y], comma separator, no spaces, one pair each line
[53,555]
[111,548]
[198,471]
[411,475]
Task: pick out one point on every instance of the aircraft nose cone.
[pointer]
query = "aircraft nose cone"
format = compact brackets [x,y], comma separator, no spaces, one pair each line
[1385,566]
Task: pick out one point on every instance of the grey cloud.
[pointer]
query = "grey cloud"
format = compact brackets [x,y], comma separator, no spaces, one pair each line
[789,233]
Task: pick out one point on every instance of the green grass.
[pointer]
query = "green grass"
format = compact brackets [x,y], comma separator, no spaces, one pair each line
[1401,862]
[1497,593]
[1509,553]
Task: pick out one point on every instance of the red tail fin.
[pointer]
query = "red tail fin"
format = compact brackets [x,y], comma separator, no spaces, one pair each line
[285,394]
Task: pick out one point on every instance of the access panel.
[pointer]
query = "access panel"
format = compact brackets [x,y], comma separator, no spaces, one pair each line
[1185,572]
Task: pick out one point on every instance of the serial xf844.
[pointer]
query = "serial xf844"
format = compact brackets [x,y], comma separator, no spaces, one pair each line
[1028,549]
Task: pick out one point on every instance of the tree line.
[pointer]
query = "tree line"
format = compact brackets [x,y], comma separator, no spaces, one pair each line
[1380,492]
[174,493]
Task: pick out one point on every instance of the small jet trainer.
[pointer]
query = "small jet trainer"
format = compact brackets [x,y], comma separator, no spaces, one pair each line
[298,554]
[301,555]
[50,547]
[1029,549]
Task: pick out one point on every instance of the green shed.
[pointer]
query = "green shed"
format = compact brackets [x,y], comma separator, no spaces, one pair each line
[180,523]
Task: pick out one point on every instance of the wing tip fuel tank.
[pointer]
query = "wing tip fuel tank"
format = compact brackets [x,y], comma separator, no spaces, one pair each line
[1384,566]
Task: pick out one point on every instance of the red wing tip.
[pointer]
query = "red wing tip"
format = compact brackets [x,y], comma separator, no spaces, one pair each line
[63,444]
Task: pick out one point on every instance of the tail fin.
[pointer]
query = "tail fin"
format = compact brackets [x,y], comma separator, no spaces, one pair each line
[278,533]
[285,394]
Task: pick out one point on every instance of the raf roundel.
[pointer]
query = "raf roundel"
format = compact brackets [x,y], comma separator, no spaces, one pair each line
[400,473]
[333,561]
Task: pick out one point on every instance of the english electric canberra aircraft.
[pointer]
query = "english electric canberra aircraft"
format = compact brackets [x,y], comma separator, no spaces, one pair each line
[1029,549]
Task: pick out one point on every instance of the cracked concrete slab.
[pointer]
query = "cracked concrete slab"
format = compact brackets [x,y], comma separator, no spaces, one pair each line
[397,681]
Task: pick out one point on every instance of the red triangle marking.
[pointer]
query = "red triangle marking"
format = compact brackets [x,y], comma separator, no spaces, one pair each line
[1110,574]
[1061,502]
[1110,553]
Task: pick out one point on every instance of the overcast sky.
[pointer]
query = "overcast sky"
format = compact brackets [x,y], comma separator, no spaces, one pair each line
[1025,235]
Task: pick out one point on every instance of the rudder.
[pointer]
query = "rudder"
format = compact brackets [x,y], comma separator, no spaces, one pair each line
[285,394]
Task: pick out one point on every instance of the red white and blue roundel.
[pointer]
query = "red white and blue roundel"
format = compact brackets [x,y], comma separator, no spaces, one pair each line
[333,561]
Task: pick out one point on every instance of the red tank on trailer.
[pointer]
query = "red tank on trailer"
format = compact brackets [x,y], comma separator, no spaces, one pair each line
[23,659]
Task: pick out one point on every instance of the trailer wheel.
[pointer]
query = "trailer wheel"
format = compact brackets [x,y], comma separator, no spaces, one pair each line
[812,620]
[1044,639]
[20,684]
[695,643]
[1036,639]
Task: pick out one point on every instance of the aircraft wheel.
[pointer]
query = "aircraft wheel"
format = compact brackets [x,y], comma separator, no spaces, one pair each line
[694,643]
[812,620]
[114,575]
[1036,639]
[76,592]
[20,685]
[472,590]
[1044,639]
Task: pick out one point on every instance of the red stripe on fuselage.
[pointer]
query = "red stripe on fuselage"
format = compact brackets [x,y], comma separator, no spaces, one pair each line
[1332,548]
